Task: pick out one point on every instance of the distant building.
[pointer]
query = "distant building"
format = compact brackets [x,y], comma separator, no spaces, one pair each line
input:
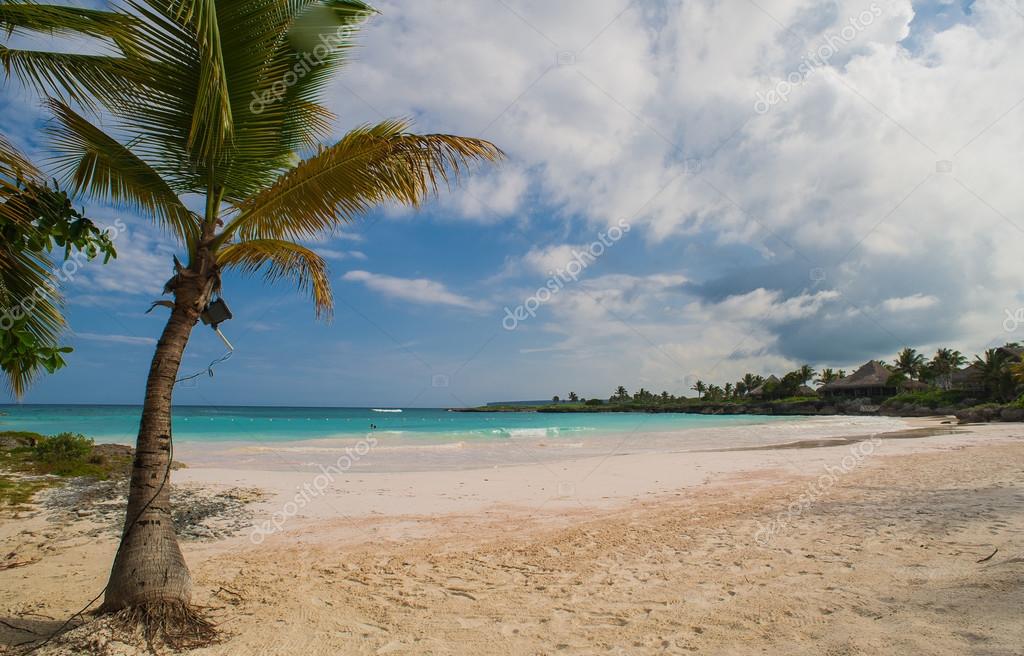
[971,377]
[804,390]
[760,391]
[872,379]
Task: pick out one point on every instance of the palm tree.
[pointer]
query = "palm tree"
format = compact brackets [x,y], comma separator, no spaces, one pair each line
[621,394]
[34,218]
[805,373]
[827,376]
[699,387]
[996,373]
[752,381]
[728,389]
[909,362]
[1016,370]
[213,100]
[573,397]
[944,363]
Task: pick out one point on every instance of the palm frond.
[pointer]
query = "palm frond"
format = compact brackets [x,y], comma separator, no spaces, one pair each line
[83,79]
[369,166]
[27,295]
[18,16]
[211,119]
[282,259]
[95,163]
[277,75]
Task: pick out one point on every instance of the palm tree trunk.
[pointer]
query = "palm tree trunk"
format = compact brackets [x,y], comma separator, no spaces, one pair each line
[149,569]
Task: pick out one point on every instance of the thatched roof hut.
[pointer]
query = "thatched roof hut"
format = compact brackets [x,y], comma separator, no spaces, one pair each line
[760,390]
[872,379]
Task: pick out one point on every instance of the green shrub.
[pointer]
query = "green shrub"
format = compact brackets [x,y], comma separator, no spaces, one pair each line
[65,447]
[595,402]
[932,398]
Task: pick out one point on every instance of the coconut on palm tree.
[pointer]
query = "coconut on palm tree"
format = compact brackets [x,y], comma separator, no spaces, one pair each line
[215,101]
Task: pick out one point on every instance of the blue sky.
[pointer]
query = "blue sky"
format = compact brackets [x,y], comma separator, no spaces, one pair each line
[822,230]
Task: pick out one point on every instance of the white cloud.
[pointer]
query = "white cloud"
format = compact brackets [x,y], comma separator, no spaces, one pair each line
[414,290]
[131,340]
[842,176]
[906,303]
[334,254]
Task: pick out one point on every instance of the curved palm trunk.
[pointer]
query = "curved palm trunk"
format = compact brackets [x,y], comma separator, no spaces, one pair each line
[149,568]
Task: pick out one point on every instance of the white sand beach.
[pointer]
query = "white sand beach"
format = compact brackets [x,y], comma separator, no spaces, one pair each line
[633,554]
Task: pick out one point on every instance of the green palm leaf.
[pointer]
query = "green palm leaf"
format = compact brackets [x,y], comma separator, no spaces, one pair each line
[369,166]
[98,165]
[283,259]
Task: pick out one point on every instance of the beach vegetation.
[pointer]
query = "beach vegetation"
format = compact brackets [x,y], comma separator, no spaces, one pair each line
[932,398]
[45,239]
[30,462]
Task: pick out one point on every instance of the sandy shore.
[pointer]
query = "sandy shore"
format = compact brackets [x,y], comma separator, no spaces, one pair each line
[868,546]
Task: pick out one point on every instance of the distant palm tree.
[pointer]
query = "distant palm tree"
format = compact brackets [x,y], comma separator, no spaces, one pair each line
[699,387]
[805,373]
[944,363]
[751,382]
[621,394]
[827,376]
[728,390]
[841,373]
[897,380]
[573,397]
[995,372]
[1016,370]
[665,397]
[210,103]
[909,362]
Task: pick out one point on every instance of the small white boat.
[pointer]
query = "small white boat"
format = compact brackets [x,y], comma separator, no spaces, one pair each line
[385,409]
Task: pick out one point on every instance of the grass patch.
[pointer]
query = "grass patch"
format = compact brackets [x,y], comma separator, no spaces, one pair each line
[25,456]
[17,491]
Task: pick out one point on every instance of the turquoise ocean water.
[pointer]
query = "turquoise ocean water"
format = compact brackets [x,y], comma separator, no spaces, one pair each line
[303,439]
[119,423]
